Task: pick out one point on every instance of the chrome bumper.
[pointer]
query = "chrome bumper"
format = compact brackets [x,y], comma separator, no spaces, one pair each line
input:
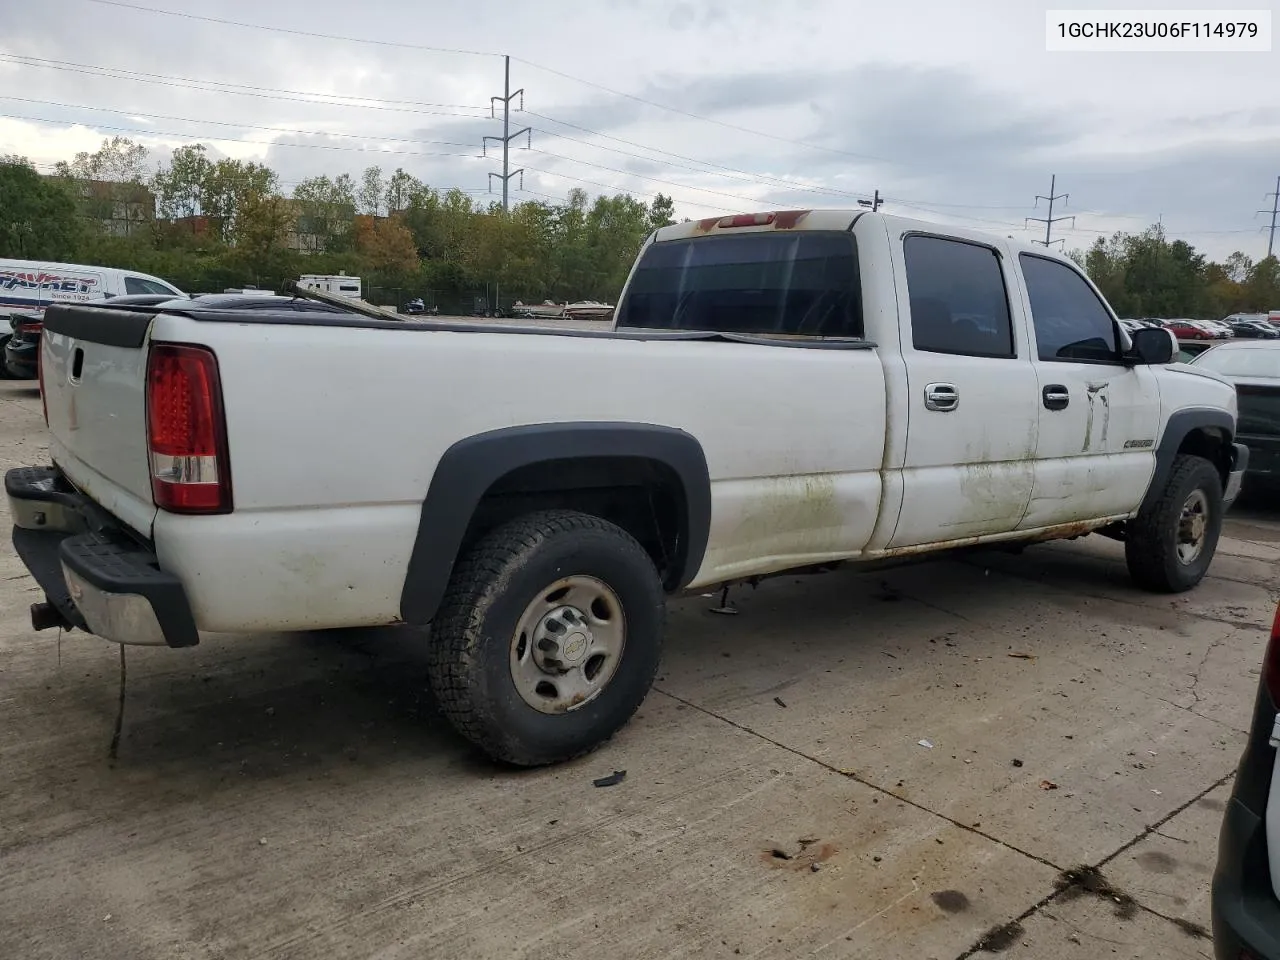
[96,579]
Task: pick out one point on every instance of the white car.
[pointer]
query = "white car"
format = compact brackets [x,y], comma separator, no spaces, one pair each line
[777,392]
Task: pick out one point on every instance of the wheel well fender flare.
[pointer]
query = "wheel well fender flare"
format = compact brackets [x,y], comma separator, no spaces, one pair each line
[1181,425]
[471,466]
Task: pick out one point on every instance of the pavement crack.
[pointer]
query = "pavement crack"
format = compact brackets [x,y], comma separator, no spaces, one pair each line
[1195,677]
[851,775]
[1089,879]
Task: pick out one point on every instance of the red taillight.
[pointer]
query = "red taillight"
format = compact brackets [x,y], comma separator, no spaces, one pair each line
[1271,664]
[30,327]
[747,220]
[186,431]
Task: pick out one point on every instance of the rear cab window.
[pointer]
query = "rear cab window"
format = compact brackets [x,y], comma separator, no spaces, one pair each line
[797,283]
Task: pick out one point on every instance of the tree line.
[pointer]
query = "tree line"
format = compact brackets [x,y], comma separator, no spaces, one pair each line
[220,223]
[229,223]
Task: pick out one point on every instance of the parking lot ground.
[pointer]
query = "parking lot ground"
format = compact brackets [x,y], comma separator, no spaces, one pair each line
[900,764]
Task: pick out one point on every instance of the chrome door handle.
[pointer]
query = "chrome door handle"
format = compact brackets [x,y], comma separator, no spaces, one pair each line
[1056,397]
[942,397]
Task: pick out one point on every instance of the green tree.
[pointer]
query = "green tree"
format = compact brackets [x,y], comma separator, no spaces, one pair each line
[109,183]
[179,187]
[229,187]
[400,190]
[372,192]
[326,209]
[662,213]
[39,219]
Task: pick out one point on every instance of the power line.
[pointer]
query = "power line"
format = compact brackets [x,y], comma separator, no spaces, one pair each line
[607,186]
[225,123]
[802,187]
[486,53]
[240,89]
[1050,220]
[297,33]
[265,143]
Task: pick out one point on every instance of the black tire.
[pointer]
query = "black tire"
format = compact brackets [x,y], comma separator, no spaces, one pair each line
[4,342]
[469,659]
[1151,543]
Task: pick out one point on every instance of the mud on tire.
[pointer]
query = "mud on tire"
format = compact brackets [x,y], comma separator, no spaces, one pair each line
[1157,549]
[511,618]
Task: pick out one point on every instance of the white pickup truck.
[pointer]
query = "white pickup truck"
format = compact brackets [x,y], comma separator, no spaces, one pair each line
[777,392]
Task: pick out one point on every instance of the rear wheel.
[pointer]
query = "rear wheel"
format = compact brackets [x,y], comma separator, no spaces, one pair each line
[548,638]
[1170,545]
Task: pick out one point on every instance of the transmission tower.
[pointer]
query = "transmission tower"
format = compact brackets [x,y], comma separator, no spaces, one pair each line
[507,136]
[1275,208]
[1050,220]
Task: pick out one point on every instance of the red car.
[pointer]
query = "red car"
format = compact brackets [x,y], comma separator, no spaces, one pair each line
[1185,331]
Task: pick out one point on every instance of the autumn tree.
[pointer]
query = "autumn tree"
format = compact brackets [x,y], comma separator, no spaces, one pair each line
[390,250]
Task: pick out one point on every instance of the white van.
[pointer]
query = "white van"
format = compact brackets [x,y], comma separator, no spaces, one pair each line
[28,286]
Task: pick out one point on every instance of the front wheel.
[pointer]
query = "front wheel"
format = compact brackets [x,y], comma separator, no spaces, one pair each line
[548,637]
[1170,544]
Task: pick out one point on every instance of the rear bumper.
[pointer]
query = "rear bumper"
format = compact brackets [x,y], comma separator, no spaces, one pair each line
[20,358]
[1246,913]
[1239,465]
[94,577]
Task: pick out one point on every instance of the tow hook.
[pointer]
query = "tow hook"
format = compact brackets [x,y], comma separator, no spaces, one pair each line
[45,616]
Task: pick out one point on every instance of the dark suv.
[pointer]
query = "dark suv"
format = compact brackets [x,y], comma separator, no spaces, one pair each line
[1246,884]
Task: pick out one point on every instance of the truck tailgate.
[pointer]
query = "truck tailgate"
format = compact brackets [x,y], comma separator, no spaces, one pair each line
[93,368]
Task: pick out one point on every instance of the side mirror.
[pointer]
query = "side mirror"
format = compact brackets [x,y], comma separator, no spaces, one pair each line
[1150,346]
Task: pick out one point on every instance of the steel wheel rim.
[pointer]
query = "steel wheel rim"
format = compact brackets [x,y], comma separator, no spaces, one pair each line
[567,644]
[1193,525]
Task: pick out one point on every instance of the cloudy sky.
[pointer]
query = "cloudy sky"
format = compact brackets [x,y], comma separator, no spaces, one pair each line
[954,111]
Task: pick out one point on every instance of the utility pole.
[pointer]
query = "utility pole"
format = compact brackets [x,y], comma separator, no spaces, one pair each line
[874,203]
[1050,220]
[1275,208]
[507,136]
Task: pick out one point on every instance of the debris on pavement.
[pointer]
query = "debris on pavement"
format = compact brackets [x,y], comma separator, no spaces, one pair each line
[1000,938]
[779,701]
[927,744]
[1017,762]
[724,609]
[1023,656]
[612,780]
[1048,785]
[1084,879]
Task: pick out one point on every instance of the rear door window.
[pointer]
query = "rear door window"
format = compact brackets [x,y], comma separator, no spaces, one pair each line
[959,304]
[795,283]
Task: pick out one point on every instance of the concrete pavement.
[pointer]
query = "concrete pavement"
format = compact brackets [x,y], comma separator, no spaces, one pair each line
[298,796]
